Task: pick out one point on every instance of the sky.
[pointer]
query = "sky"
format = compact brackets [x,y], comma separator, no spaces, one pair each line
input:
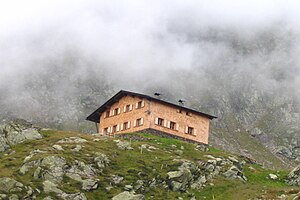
[138,45]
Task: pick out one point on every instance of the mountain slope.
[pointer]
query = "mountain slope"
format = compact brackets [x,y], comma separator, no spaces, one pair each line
[71,165]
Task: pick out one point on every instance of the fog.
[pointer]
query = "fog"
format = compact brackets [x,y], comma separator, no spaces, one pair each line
[59,60]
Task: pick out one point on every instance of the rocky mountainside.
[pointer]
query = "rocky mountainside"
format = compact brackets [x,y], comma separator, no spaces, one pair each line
[70,165]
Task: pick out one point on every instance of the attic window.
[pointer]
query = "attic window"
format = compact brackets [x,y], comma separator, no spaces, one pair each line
[188,114]
[139,104]
[107,114]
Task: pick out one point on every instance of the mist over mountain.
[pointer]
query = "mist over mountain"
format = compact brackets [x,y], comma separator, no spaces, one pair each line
[60,60]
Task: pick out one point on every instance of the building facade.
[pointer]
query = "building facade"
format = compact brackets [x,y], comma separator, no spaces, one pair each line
[129,112]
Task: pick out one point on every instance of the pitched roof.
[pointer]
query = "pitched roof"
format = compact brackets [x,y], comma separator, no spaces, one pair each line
[95,116]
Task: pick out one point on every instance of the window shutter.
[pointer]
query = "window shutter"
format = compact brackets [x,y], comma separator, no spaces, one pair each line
[143,103]
[108,129]
[134,123]
[165,123]
[111,113]
[194,132]
[177,127]
[102,131]
[129,124]
[130,107]
[136,105]
[122,127]
[124,110]
[156,120]
[142,121]
[168,124]
[186,129]
[118,127]
[119,110]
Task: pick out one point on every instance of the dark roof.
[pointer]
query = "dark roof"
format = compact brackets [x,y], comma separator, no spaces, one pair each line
[95,116]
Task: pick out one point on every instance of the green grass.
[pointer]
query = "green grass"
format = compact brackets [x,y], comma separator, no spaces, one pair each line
[135,165]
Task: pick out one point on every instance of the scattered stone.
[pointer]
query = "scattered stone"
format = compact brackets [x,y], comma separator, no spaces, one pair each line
[13,197]
[77,148]
[128,187]
[273,176]
[173,146]
[201,147]
[128,196]
[72,140]
[182,147]
[75,196]
[58,147]
[48,198]
[233,159]
[96,140]
[178,152]
[234,173]
[116,179]
[123,145]
[9,185]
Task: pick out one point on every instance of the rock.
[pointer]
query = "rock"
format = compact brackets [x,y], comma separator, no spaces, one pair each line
[123,145]
[72,140]
[233,159]
[53,168]
[101,160]
[256,132]
[201,147]
[293,178]
[51,187]
[128,187]
[89,184]
[199,183]
[75,196]
[234,173]
[82,169]
[9,185]
[57,147]
[3,196]
[182,147]
[178,152]
[273,176]
[16,132]
[173,146]
[115,179]
[77,148]
[128,196]
[48,198]
[13,197]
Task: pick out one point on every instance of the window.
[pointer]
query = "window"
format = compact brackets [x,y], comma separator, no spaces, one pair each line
[107,114]
[126,125]
[172,125]
[139,104]
[116,111]
[160,122]
[127,108]
[188,113]
[190,130]
[114,129]
[139,122]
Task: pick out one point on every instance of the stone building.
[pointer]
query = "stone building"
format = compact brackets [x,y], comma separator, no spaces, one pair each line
[128,112]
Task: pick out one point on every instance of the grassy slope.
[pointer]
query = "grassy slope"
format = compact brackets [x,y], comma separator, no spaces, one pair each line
[152,164]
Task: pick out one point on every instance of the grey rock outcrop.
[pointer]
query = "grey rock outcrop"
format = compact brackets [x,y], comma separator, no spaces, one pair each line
[293,178]
[71,140]
[16,132]
[9,185]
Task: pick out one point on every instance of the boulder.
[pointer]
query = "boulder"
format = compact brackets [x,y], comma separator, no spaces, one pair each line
[75,196]
[101,160]
[128,196]
[293,178]
[89,184]
[53,168]
[235,173]
[77,148]
[116,179]
[273,176]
